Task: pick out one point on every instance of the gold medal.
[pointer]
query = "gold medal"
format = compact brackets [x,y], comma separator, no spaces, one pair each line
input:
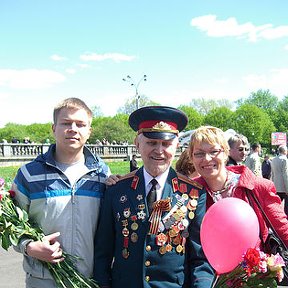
[191,215]
[169,247]
[179,248]
[162,250]
[134,226]
[172,233]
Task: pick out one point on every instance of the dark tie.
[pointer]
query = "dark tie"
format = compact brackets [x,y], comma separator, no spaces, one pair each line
[152,195]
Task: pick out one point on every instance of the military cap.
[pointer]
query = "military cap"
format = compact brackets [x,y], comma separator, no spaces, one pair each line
[158,122]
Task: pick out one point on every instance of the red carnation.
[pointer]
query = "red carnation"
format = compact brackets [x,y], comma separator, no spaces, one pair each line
[12,193]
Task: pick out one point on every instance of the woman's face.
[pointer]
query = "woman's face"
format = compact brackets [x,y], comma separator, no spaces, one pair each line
[209,160]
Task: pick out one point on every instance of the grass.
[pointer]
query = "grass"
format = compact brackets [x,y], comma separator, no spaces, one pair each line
[117,167]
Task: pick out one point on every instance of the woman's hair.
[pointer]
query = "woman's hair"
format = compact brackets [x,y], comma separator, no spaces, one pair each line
[184,164]
[211,135]
[72,103]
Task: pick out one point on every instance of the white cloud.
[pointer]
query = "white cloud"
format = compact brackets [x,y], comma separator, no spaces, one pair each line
[286,47]
[29,78]
[231,28]
[70,71]
[57,58]
[117,57]
[275,81]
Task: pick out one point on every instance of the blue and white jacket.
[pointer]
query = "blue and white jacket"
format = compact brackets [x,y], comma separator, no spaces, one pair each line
[55,205]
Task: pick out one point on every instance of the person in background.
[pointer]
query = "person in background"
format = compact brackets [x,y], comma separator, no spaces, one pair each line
[266,167]
[253,161]
[61,190]
[184,165]
[279,175]
[149,228]
[239,148]
[209,151]
[133,163]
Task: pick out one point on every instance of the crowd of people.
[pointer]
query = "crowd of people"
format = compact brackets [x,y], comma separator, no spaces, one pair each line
[141,229]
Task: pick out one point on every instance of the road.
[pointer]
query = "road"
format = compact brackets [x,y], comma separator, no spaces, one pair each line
[12,275]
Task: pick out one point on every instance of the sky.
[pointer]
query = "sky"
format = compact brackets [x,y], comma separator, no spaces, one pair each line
[212,49]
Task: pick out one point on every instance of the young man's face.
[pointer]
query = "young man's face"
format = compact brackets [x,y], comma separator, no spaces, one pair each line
[72,128]
[157,154]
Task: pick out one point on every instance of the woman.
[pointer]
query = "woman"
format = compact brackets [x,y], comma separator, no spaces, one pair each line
[184,165]
[209,152]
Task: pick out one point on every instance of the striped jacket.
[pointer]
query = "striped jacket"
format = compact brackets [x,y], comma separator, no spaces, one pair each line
[55,205]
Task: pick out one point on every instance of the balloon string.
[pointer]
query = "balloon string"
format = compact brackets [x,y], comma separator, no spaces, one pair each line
[215,281]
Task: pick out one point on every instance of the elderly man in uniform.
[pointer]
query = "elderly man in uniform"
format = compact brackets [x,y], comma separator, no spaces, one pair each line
[150,220]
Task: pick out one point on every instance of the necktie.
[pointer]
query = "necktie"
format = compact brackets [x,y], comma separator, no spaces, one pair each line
[152,196]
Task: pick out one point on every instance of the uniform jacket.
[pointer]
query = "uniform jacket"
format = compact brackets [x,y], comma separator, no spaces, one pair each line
[45,192]
[279,167]
[265,192]
[138,260]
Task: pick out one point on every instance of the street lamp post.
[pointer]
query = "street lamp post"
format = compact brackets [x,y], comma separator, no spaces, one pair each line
[130,80]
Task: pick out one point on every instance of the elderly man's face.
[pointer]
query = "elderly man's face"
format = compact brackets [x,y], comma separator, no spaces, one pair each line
[157,154]
[239,152]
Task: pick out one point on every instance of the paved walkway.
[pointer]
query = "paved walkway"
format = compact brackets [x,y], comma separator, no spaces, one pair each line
[12,275]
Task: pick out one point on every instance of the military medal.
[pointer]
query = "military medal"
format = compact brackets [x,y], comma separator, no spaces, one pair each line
[123,199]
[161,239]
[162,250]
[168,247]
[134,237]
[125,252]
[134,225]
[127,212]
[179,248]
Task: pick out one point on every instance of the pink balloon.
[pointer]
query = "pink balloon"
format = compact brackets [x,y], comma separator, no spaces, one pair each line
[229,228]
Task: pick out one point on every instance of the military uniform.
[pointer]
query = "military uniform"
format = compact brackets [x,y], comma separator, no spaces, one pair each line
[135,249]
[145,258]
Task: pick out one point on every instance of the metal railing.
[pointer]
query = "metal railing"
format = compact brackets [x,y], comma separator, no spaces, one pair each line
[11,153]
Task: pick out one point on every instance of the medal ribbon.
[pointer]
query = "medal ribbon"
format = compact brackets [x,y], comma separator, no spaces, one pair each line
[155,218]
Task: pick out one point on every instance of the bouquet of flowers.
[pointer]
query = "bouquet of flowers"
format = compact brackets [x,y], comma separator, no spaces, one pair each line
[257,269]
[14,224]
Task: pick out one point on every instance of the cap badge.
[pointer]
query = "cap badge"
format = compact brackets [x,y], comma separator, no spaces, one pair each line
[162,126]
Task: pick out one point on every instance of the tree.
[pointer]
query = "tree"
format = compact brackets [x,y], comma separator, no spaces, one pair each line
[220,117]
[195,118]
[203,106]
[130,104]
[254,123]
[262,99]
[97,111]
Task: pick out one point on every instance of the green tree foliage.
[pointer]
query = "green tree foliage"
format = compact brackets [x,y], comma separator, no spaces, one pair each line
[262,99]
[220,117]
[130,104]
[112,128]
[195,118]
[204,106]
[37,133]
[254,123]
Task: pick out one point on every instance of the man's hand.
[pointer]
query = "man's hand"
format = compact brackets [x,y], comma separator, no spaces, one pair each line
[112,179]
[48,250]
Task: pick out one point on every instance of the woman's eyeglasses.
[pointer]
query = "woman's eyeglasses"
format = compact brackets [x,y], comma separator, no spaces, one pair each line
[241,149]
[212,153]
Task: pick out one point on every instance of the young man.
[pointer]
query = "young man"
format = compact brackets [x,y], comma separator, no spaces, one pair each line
[140,244]
[61,191]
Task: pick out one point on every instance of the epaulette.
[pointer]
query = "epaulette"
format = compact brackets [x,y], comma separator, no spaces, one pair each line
[127,176]
[186,179]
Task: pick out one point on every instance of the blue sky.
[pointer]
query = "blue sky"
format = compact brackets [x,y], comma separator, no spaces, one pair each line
[51,50]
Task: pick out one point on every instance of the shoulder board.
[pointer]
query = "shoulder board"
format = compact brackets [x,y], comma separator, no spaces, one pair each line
[188,180]
[127,176]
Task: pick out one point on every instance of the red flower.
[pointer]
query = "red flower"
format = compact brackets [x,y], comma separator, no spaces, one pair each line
[12,193]
[1,197]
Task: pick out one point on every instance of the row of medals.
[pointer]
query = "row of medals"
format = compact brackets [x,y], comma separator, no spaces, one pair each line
[175,224]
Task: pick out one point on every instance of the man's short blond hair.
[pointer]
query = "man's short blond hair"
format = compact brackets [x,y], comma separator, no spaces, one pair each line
[72,103]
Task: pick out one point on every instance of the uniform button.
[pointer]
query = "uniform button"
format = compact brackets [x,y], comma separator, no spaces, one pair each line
[147,278]
[147,263]
[148,248]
